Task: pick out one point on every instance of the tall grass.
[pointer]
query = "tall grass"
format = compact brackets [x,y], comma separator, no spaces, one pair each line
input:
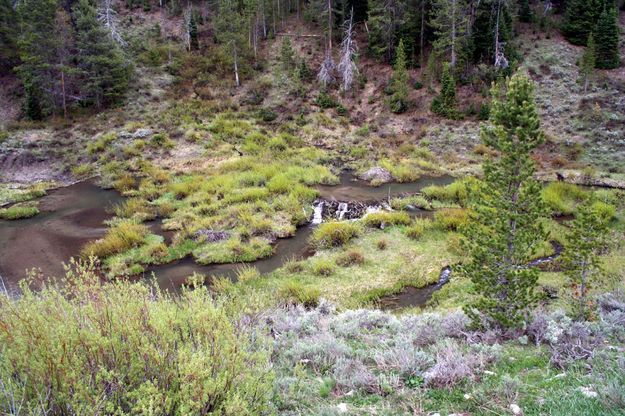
[120,237]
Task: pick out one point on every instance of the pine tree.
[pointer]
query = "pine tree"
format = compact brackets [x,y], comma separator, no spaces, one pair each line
[105,72]
[384,19]
[505,228]
[286,54]
[492,33]
[580,19]
[450,21]
[37,47]
[584,242]
[587,63]
[607,40]
[231,34]
[445,103]
[399,82]
[8,36]
[525,11]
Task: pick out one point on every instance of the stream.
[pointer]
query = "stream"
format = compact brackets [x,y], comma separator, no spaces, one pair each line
[72,216]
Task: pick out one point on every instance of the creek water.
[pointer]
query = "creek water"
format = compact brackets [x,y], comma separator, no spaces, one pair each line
[72,216]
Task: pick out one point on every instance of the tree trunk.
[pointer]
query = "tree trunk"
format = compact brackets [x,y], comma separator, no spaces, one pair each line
[422,34]
[236,66]
[63,94]
[453,33]
[330,26]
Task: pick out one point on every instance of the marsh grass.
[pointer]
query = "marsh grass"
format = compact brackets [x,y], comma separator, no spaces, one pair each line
[122,236]
[18,212]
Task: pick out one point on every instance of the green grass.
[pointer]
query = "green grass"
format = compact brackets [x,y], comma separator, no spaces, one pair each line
[18,212]
[562,198]
[334,234]
[122,236]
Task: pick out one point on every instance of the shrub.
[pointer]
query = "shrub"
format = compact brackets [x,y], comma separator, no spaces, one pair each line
[18,212]
[334,234]
[161,141]
[603,210]
[379,219]
[126,348]
[324,100]
[267,115]
[119,238]
[451,218]
[294,292]
[351,258]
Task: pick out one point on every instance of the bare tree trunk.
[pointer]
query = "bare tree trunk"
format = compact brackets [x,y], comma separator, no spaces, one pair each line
[453,34]
[330,26]
[422,34]
[63,94]
[236,66]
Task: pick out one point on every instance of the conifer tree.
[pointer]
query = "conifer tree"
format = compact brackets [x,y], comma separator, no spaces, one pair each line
[399,82]
[8,36]
[105,72]
[580,19]
[445,103]
[584,242]
[505,227]
[384,19]
[286,54]
[37,48]
[607,39]
[587,63]
[525,11]
[450,21]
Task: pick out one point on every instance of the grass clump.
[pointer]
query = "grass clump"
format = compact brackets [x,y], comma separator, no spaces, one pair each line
[82,170]
[456,192]
[562,197]
[451,218]
[79,327]
[121,237]
[18,212]
[334,234]
[380,219]
[293,292]
[322,267]
[417,228]
[353,257]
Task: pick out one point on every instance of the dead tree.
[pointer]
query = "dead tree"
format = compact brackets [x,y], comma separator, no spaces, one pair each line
[108,17]
[347,67]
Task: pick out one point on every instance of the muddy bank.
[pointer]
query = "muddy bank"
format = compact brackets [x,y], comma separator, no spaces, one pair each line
[411,297]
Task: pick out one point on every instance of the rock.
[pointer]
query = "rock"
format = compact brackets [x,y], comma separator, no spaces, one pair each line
[467,396]
[142,133]
[516,410]
[211,236]
[342,407]
[378,175]
[489,373]
[588,392]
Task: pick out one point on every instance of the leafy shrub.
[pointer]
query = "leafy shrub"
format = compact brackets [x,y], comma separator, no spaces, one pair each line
[378,219]
[127,348]
[351,258]
[451,218]
[267,115]
[119,238]
[293,292]
[17,212]
[324,100]
[334,234]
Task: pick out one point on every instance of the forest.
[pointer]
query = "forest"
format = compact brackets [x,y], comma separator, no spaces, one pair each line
[312,207]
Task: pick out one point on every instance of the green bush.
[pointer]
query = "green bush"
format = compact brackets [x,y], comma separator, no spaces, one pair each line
[324,100]
[603,210]
[376,219]
[334,234]
[18,212]
[127,348]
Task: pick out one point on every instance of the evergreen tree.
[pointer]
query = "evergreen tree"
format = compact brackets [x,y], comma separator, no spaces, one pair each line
[450,21]
[105,72]
[37,47]
[286,54]
[8,36]
[505,227]
[384,18]
[445,103]
[525,11]
[399,82]
[584,242]
[607,40]
[580,19]
[231,34]
[492,33]
[587,63]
